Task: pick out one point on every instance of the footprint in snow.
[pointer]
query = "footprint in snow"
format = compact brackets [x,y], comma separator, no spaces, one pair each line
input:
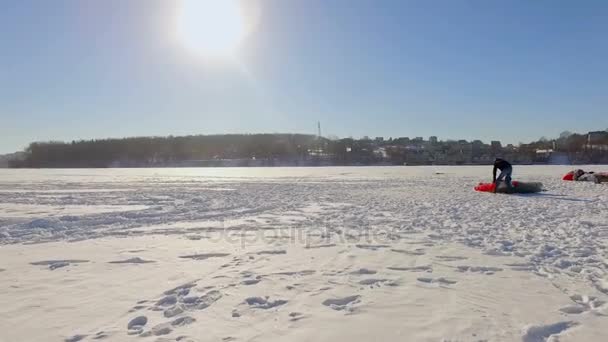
[181,290]
[574,309]
[363,271]
[250,281]
[182,321]
[296,316]
[272,252]
[425,268]
[100,335]
[204,256]
[344,303]
[179,339]
[175,304]
[582,304]
[450,258]
[136,325]
[55,264]
[159,330]
[174,311]
[521,266]
[542,333]
[75,338]
[137,307]
[264,303]
[296,273]
[414,252]
[373,282]
[135,260]
[440,281]
[479,269]
[167,301]
[371,247]
[207,300]
[329,245]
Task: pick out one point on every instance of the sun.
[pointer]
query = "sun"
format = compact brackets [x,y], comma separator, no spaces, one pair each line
[212,28]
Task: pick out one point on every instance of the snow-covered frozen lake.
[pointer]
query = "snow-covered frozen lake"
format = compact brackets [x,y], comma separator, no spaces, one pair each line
[301,254]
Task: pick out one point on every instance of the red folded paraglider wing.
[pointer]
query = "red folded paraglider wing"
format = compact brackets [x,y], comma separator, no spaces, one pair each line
[568,176]
[485,187]
[489,187]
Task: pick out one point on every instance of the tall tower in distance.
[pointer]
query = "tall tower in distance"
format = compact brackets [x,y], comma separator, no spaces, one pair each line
[319,129]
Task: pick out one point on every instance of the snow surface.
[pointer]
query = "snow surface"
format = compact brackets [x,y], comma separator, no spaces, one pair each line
[300,254]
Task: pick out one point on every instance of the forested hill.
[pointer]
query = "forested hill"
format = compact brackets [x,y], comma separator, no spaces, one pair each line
[167,151]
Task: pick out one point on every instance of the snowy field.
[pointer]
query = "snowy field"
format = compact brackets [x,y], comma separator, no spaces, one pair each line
[300,254]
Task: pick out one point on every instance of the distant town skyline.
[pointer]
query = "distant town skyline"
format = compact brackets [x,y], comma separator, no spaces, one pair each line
[490,70]
[413,139]
[304,150]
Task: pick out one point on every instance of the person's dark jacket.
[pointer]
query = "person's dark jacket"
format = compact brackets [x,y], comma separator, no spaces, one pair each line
[501,165]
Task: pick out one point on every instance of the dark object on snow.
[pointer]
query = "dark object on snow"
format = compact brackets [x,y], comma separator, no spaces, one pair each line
[583,176]
[517,188]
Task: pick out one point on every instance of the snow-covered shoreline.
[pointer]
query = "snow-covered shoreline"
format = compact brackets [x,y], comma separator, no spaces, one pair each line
[298,254]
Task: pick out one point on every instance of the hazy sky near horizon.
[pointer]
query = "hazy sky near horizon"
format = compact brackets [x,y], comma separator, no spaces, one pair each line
[509,70]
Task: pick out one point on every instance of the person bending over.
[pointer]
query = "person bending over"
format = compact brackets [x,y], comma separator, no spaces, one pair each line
[506,170]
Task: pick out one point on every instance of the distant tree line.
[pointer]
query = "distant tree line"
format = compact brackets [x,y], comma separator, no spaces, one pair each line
[299,149]
[591,147]
[161,151]
[570,142]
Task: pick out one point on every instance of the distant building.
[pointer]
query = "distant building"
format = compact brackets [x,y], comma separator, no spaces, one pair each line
[433,139]
[496,146]
[597,141]
[379,139]
[597,136]
[402,141]
[418,139]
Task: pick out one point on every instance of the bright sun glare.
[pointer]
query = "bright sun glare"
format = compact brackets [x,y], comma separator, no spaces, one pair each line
[212,28]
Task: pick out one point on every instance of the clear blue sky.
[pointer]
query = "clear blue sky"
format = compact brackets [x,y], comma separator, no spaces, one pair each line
[510,70]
